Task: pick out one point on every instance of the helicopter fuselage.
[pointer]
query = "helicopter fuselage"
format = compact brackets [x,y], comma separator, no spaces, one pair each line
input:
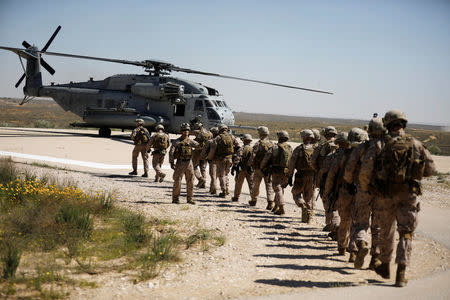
[117,101]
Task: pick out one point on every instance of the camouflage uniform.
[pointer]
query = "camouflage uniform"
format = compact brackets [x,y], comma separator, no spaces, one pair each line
[259,150]
[212,164]
[223,160]
[139,147]
[158,152]
[182,167]
[334,183]
[277,158]
[245,170]
[304,178]
[202,137]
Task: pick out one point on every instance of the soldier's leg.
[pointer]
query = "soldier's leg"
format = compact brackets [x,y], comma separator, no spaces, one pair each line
[213,176]
[277,181]
[144,154]
[227,166]
[269,191]
[177,176]
[202,166]
[308,196]
[375,233]
[221,174]
[257,178]
[134,156]
[387,228]
[343,205]
[407,212]
[239,181]
[155,167]
[189,173]
[249,176]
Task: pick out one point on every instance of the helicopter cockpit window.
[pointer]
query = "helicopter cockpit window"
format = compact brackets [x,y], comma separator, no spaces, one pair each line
[212,114]
[219,103]
[198,105]
[226,105]
[179,110]
[208,103]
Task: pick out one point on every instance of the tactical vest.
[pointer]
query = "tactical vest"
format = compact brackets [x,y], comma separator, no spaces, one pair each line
[202,137]
[160,141]
[264,146]
[247,153]
[365,146]
[183,150]
[396,164]
[141,137]
[281,156]
[225,145]
[324,149]
[303,162]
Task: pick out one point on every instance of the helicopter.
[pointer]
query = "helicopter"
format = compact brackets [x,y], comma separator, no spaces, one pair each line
[117,101]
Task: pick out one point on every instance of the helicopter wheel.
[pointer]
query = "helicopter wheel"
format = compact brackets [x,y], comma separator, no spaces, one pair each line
[104,132]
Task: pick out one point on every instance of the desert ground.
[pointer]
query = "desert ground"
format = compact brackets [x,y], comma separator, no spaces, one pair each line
[264,256]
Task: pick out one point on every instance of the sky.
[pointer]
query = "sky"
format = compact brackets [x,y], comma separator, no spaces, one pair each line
[373,55]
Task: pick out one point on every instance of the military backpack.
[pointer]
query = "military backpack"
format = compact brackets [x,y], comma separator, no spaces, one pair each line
[142,136]
[202,137]
[281,156]
[304,162]
[225,145]
[160,141]
[264,146]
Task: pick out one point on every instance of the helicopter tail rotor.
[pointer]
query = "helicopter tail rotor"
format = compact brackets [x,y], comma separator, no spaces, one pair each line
[43,63]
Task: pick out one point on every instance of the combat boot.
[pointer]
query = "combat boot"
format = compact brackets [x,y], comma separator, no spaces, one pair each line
[213,192]
[304,216]
[176,200]
[235,199]
[363,249]
[333,234]
[341,251]
[145,175]
[400,280]
[222,194]
[190,201]
[383,270]
[252,202]
[201,183]
[352,256]
[374,262]
[269,205]
[280,210]
[161,177]
[156,179]
[134,172]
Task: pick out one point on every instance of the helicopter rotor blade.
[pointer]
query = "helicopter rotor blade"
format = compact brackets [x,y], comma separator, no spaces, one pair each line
[20,80]
[26,44]
[47,66]
[51,39]
[178,69]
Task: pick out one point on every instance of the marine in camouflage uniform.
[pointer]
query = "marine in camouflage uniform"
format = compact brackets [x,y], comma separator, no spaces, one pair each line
[321,153]
[159,141]
[303,189]
[337,194]
[277,160]
[222,150]
[358,139]
[399,167]
[201,136]
[260,149]
[140,137]
[365,212]
[242,168]
[211,163]
[181,151]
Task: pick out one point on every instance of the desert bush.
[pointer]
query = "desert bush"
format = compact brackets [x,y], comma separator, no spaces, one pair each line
[8,172]
[43,124]
[204,237]
[10,258]
[435,150]
[134,228]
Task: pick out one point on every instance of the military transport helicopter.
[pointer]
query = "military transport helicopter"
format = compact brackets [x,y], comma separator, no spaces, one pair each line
[116,101]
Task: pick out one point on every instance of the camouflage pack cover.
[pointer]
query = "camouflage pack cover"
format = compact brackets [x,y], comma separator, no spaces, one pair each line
[342,137]
[263,130]
[329,130]
[394,115]
[376,126]
[306,133]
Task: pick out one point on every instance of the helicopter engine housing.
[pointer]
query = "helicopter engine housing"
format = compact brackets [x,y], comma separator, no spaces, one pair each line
[166,91]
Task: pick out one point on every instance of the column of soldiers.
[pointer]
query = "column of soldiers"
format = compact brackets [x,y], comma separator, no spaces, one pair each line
[365,179]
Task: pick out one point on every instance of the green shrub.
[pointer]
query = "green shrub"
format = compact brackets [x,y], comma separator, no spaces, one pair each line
[10,259]
[8,172]
[76,218]
[43,124]
[435,150]
[133,225]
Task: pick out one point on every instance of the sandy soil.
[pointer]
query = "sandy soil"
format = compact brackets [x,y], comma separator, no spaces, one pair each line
[264,255]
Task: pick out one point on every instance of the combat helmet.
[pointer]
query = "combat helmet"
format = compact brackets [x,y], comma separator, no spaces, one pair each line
[357,135]
[316,133]
[307,133]
[263,130]
[223,127]
[342,137]
[247,137]
[139,122]
[376,126]
[159,127]
[329,130]
[185,126]
[283,134]
[214,130]
[394,115]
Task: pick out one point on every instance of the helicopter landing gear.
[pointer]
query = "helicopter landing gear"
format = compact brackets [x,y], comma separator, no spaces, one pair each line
[104,132]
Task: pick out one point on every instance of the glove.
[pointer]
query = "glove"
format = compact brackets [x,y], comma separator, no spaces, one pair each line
[290,181]
[172,165]
[232,170]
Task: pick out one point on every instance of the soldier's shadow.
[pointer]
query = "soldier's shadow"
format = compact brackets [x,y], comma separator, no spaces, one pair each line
[309,284]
